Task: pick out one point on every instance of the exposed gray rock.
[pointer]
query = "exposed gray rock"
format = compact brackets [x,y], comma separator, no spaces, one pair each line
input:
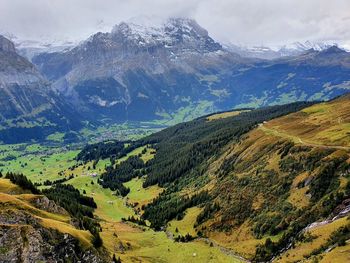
[23,239]
[29,107]
[44,203]
[6,45]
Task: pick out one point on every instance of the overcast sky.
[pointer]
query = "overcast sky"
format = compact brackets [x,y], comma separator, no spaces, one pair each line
[246,22]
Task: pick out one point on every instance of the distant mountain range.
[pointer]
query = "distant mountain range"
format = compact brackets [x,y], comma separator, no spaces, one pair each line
[144,72]
[265,52]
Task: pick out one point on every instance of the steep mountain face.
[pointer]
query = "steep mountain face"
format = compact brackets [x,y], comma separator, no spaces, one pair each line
[139,72]
[29,108]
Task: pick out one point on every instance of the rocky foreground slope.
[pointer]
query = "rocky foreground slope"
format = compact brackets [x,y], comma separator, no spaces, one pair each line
[35,229]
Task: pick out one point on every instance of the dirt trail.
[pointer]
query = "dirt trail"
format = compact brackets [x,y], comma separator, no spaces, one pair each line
[297,139]
[225,250]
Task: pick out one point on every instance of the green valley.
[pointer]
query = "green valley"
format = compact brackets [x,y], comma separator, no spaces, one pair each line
[231,187]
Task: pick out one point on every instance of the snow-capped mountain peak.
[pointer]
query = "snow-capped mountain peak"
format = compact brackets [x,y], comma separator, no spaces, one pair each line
[293,49]
[163,32]
[307,45]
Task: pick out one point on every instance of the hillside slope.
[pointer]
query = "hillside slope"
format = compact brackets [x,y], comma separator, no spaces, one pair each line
[285,186]
[35,229]
[254,183]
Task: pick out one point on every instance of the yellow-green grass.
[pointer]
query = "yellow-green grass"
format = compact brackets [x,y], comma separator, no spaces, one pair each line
[88,168]
[135,152]
[109,206]
[83,236]
[151,246]
[40,168]
[57,137]
[321,234]
[23,202]
[141,195]
[338,254]
[9,188]
[148,155]
[298,196]
[187,113]
[224,115]
[16,202]
[186,225]
[241,240]
[323,124]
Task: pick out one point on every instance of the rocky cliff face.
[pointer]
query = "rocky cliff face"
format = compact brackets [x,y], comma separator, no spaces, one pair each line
[6,45]
[23,239]
[29,108]
[35,229]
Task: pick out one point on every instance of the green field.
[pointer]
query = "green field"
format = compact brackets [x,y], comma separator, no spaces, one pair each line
[39,163]
[109,207]
[150,246]
[141,195]
[186,225]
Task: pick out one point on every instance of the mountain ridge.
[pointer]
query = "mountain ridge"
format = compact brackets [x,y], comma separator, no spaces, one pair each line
[177,64]
[27,101]
[275,194]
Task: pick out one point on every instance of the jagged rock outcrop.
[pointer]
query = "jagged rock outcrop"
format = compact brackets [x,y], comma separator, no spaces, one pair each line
[30,244]
[23,238]
[6,45]
[42,202]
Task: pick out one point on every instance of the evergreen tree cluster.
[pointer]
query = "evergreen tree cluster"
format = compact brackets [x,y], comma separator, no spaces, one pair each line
[58,181]
[22,181]
[70,199]
[114,177]
[181,148]
[103,150]
[135,220]
[167,207]
[184,239]
[79,206]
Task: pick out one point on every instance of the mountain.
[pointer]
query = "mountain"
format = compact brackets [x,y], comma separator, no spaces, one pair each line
[138,72]
[270,184]
[151,71]
[29,107]
[260,52]
[265,52]
[313,75]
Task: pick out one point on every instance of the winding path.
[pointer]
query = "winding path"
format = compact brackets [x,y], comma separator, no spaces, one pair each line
[297,139]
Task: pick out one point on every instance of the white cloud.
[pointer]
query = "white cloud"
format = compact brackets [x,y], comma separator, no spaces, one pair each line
[269,22]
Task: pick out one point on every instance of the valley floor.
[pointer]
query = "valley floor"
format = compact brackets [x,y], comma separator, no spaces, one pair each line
[131,242]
